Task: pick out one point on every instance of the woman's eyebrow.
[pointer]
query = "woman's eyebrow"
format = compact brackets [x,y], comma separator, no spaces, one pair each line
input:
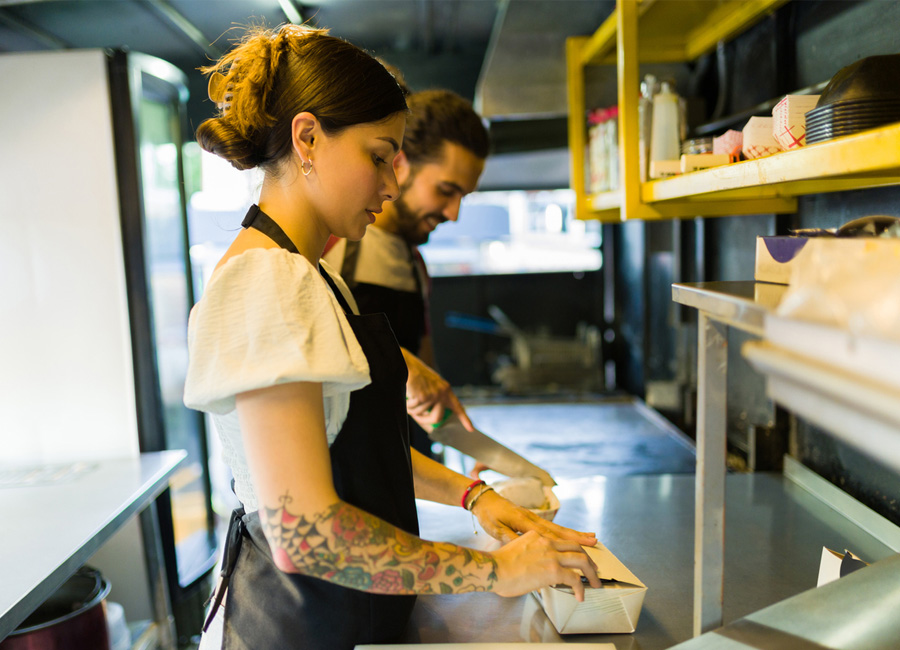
[392,142]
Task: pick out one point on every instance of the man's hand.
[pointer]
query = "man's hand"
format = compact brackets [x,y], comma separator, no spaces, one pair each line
[428,395]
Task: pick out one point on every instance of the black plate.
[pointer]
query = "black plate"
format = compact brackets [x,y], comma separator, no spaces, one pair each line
[874,77]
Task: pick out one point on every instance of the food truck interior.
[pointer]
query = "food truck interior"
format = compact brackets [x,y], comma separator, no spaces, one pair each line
[577,325]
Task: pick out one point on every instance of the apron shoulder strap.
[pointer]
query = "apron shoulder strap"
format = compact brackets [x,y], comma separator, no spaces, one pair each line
[336,291]
[262,222]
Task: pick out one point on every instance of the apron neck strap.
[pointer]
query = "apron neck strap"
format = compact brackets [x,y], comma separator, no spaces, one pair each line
[259,220]
[262,222]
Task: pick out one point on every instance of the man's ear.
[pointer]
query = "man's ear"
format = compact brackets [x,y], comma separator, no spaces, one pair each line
[305,130]
[401,168]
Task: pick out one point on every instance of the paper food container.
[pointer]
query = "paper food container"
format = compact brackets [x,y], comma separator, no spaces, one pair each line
[758,140]
[789,120]
[729,143]
[613,608]
[834,565]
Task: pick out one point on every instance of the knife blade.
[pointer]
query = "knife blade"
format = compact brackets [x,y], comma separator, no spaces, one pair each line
[483,448]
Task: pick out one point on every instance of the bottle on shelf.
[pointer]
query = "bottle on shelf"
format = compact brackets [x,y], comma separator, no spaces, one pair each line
[603,150]
[612,147]
[665,133]
[649,87]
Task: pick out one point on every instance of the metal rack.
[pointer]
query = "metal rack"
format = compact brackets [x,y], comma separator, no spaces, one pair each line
[836,400]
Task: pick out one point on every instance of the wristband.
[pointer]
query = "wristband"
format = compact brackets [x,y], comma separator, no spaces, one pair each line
[486,488]
[471,487]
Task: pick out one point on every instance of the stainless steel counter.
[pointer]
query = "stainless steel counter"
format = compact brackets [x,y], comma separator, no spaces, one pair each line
[720,305]
[50,530]
[859,611]
[775,531]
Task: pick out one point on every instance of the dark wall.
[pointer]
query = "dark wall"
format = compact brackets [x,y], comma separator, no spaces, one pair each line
[802,44]
[551,302]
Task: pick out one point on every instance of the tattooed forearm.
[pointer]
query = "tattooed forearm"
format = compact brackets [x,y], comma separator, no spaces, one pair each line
[346,545]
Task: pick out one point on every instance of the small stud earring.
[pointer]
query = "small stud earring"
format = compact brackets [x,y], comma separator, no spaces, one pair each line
[306,167]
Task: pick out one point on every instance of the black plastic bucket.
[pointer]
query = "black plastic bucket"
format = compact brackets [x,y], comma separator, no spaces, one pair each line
[73,618]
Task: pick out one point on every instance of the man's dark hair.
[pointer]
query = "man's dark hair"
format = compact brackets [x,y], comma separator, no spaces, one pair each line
[436,116]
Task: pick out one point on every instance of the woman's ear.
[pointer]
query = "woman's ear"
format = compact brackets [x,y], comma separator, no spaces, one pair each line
[305,130]
[401,168]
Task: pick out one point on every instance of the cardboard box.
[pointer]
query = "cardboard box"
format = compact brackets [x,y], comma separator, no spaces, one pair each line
[775,256]
[696,161]
[613,608]
[758,140]
[665,168]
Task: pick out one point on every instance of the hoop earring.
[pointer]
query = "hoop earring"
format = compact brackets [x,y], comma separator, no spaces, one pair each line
[303,167]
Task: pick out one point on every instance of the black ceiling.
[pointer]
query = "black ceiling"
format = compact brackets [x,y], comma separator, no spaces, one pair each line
[457,44]
[434,42]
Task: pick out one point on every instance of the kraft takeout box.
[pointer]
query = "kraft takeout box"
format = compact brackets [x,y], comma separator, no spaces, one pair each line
[613,608]
[834,565]
[775,257]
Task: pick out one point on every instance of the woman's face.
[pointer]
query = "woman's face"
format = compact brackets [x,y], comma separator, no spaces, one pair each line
[355,172]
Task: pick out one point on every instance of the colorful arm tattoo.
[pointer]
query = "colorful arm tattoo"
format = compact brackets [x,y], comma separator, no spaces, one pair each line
[352,548]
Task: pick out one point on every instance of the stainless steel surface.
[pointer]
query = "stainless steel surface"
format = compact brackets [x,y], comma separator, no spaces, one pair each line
[608,436]
[870,521]
[742,305]
[524,72]
[860,410]
[856,612]
[53,529]
[709,521]
[774,532]
[739,304]
[487,450]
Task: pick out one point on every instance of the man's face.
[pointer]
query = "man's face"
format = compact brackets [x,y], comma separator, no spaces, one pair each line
[431,194]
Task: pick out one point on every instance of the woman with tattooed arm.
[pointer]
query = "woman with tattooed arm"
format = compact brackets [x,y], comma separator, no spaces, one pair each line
[308,396]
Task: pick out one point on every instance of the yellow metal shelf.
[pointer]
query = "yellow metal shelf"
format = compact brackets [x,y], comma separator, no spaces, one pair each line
[867,159]
[681,30]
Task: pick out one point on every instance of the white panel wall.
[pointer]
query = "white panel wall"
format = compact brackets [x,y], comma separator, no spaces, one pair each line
[66,379]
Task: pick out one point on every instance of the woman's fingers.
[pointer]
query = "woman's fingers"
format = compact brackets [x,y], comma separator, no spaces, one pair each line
[532,562]
[561,532]
[576,558]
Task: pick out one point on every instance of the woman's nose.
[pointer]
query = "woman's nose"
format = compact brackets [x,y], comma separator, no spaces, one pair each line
[391,188]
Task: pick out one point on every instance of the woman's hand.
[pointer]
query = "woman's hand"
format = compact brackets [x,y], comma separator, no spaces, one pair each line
[428,395]
[504,520]
[532,561]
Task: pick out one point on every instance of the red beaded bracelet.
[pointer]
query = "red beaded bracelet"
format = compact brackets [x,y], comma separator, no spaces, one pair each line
[472,486]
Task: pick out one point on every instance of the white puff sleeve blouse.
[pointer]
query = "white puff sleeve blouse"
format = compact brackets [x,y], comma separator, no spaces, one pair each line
[268,317]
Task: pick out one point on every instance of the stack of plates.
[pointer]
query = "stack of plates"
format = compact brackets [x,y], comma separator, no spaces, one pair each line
[849,117]
[863,95]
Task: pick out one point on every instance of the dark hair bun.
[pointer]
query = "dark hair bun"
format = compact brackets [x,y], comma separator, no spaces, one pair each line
[218,136]
[273,75]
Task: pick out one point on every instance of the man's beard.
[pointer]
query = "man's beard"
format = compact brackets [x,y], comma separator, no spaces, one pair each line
[409,224]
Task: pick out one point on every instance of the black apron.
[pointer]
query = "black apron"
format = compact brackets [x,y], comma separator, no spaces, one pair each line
[267,608]
[406,312]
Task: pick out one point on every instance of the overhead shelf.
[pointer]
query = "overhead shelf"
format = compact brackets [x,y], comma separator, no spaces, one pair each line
[682,30]
[672,32]
[866,159]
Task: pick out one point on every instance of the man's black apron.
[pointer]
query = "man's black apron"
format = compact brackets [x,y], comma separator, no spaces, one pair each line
[405,310]
[267,608]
